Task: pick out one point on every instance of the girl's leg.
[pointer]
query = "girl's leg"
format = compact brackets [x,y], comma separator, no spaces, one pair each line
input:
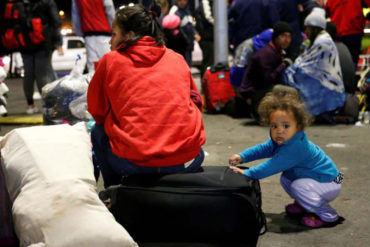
[315,196]
[292,208]
[286,184]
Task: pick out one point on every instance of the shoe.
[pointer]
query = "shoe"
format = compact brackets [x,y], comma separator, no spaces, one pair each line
[313,221]
[32,110]
[294,209]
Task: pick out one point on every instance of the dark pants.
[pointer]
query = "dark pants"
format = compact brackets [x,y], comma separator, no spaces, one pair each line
[113,168]
[353,42]
[207,50]
[36,67]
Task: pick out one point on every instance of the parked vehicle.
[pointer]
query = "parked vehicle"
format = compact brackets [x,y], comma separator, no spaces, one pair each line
[73,47]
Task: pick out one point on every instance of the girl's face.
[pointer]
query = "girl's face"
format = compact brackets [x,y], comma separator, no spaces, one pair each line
[283,126]
[117,36]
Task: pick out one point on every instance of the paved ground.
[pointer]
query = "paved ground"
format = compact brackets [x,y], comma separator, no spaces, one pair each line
[347,145]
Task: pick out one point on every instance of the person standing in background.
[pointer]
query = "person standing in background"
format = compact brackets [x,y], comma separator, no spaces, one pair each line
[248,18]
[36,60]
[349,18]
[181,8]
[93,20]
[204,26]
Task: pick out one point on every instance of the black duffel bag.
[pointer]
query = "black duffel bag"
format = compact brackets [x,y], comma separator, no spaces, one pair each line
[214,205]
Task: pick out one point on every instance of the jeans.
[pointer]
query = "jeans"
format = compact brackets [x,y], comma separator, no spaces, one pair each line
[113,168]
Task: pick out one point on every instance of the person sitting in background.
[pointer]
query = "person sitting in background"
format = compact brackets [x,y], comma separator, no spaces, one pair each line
[345,59]
[243,54]
[266,67]
[316,74]
[148,116]
[349,113]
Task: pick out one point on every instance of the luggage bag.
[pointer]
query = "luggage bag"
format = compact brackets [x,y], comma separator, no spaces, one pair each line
[214,205]
[217,88]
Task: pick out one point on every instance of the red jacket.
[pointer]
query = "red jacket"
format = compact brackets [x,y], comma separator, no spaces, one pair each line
[142,96]
[92,17]
[347,16]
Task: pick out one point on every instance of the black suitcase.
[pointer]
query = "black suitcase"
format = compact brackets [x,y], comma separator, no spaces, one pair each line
[214,205]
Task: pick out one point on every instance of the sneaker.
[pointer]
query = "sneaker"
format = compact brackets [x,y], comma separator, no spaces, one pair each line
[294,208]
[313,221]
[32,110]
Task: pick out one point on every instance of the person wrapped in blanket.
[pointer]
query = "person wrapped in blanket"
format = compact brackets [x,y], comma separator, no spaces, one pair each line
[145,103]
[316,74]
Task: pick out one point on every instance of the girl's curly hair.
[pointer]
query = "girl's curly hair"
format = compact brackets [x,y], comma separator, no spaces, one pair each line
[284,101]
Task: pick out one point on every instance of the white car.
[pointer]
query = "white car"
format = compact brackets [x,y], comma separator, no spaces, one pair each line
[73,47]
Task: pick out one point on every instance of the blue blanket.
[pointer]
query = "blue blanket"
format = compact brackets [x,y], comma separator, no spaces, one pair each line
[316,74]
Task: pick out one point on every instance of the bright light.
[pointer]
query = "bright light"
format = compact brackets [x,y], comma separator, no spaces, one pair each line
[66,31]
[61,13]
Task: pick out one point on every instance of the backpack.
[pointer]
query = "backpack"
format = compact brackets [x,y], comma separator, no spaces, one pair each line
[20,30]
[217,88]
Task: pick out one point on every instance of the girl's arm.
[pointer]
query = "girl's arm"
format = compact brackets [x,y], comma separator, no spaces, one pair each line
[260,151]
[97,100]
[281,161]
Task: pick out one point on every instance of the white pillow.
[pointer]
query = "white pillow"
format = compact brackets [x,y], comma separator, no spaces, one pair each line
[49,175]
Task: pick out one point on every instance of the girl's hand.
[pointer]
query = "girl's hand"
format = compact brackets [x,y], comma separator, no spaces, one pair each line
[237,170]
[235,159]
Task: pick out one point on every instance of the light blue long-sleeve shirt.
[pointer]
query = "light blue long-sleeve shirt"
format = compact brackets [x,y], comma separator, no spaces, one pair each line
[296,158]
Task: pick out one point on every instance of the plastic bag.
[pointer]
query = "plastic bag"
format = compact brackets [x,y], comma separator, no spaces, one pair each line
[64,100]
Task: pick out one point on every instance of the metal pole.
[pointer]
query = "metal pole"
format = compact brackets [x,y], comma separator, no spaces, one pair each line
[220,32]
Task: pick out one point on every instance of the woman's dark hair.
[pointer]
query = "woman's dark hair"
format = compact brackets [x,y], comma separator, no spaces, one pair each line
[141,21]
[284,101]
[314,34]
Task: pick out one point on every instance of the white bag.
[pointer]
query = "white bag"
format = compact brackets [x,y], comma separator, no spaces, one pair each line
[49,175]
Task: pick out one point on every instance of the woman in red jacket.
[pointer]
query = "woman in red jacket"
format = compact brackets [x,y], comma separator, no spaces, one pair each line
[143,99]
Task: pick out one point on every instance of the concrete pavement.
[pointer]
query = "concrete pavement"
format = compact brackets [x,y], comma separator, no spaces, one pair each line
[347,145]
